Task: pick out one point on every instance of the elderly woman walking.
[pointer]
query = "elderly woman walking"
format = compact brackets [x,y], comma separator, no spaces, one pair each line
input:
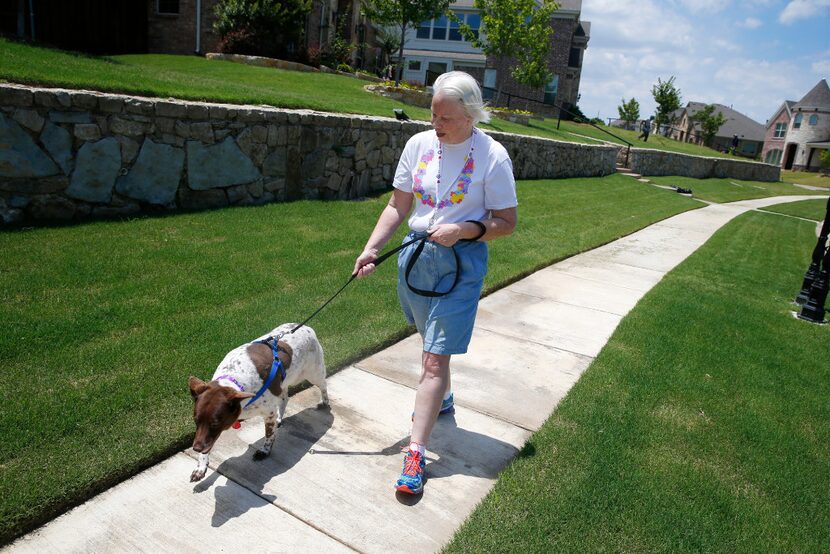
[461,184]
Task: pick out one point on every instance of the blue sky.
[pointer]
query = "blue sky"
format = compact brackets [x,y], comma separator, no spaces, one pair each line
[751,55]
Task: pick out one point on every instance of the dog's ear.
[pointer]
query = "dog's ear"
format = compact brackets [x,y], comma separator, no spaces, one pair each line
[197,386]
[242,395]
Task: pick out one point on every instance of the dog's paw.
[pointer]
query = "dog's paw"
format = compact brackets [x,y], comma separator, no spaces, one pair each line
[197,475]
[323,406]
[261,454]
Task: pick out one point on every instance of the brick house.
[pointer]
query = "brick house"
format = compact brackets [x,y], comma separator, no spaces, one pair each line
[750,133]
[795,139]
[163,26]
[437,46]
[776,133]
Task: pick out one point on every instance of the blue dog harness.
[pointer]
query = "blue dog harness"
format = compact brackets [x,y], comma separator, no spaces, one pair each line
[276,366]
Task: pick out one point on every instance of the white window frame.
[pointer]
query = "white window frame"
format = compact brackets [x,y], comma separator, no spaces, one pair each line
[780,130]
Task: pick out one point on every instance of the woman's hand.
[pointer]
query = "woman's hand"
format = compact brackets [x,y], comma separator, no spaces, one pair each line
[363,266]
[446,234]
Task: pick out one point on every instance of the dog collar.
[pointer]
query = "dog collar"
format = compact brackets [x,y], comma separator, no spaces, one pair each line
[230,380]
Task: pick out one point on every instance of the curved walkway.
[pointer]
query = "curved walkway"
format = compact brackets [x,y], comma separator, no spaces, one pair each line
[328,482]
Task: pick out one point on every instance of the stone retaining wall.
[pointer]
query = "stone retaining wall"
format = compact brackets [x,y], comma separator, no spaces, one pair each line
[69,155]
[658,162]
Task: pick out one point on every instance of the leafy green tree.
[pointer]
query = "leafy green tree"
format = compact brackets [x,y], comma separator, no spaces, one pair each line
[260,27]
[629,111]
[710,122]
[389,43]
[667,97]
[515,29]
[824,159]
[402,14]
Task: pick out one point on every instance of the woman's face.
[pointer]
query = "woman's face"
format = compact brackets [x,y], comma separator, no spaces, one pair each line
[450,121]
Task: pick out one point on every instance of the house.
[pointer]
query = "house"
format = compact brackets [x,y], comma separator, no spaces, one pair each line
[167,26]
[800,131]
[777,127]
[750,133]
[437,46]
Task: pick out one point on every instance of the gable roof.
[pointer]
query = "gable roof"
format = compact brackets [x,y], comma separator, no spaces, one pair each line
[736,122]
[785,105]
[818,97]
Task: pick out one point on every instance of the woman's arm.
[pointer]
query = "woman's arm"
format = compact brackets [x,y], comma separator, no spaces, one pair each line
[390,219]
[499,224]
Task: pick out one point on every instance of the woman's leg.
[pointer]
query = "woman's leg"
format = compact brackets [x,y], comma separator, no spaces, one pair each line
[435,381]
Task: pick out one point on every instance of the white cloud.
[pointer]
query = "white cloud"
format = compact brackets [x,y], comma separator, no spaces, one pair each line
[704,6]
[635,43]
[750,23]
[802,9]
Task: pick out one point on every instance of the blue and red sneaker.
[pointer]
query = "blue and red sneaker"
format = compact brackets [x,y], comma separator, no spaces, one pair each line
[411,480]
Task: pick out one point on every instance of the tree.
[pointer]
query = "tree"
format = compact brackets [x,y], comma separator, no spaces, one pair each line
[389,43]
[709,122]
[260,27]
[402,14]
[515,29]
[629,111]
[667,96]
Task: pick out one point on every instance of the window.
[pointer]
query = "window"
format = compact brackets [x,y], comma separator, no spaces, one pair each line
[439,28]
[573,59]
[813,119]
[167,7]
[551,89]
[444,28]
[424,29]
[773,157]
[474,21]
[780,130]
[455,33]
[797,121]
[414,65]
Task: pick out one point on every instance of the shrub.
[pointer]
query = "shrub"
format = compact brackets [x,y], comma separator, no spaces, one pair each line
[260,27]
[346,68]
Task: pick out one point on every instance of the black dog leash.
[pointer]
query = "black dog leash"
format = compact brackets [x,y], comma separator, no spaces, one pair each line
[409,266]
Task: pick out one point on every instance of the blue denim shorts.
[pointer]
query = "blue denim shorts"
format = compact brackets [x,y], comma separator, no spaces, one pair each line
[445,322]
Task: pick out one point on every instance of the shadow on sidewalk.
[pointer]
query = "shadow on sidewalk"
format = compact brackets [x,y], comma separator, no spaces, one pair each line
[295,437]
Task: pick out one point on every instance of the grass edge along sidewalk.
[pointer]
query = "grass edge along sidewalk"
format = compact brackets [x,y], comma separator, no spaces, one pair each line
[701,426]
[110,318]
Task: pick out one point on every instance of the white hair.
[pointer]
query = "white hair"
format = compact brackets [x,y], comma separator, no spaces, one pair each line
[458,84]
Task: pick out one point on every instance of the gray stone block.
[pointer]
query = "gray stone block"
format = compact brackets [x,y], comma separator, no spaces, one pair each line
[58,143]
[219,165]
[69,117]
[87,131]
[95,171]
[29,119]
[19,155]
[155,176]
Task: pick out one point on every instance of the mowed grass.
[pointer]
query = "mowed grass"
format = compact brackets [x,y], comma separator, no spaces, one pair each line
[806,178]
[196,78]
[107,320]
[731,190]
[702,426]
[815,210]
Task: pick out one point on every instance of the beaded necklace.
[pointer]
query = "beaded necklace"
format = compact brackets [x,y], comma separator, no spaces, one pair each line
[455,194]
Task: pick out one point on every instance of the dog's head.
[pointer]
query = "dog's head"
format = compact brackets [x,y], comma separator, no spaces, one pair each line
[215,408]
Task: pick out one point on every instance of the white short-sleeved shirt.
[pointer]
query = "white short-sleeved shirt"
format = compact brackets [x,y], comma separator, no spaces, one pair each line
[469,188]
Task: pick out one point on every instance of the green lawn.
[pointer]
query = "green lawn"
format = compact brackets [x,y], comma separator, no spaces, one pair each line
[194,78]
[806,178]
[702,426]
[108,319]
[808,209]
[731,190]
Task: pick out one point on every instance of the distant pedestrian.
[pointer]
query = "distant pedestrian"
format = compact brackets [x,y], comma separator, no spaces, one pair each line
[735,141]
[645,129]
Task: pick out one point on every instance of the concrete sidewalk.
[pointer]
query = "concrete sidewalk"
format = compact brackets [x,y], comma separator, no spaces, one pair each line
[327,485]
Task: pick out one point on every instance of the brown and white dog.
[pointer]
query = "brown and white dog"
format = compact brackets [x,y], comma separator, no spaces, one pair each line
[219,403]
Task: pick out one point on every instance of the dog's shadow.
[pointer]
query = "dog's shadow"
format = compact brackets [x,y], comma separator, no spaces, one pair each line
[295,437]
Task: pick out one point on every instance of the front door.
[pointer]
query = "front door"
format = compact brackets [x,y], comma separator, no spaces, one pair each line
[789,156]
[434,70]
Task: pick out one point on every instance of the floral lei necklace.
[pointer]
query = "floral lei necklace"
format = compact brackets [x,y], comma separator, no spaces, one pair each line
[456,192]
